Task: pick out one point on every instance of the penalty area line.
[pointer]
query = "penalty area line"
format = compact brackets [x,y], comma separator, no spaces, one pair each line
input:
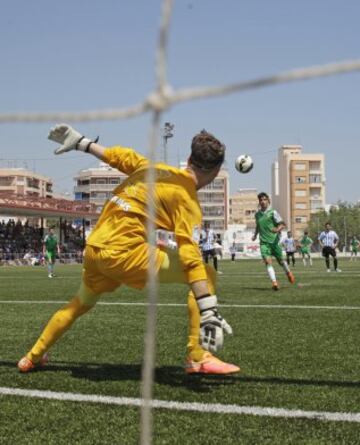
[216,408]
[238,306]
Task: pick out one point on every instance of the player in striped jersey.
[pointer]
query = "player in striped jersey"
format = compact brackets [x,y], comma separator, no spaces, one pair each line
[329,241]
[290,248]
[208,245]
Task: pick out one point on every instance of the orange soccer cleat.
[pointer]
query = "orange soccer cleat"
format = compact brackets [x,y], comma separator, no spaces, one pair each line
[210,365]
[26,365]
[291,277]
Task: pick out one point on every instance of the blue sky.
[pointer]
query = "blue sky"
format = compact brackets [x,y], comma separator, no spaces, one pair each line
[87,55]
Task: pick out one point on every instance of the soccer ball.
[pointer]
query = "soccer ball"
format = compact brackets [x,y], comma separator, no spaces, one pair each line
[244,163]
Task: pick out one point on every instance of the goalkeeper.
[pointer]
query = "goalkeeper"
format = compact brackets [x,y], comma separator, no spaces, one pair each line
[117,251]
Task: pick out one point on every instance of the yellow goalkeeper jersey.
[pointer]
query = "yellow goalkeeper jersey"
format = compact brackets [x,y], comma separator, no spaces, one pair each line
[177,208]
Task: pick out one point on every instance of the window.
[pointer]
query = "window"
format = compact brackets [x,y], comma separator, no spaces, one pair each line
[99,181]
[316,205]
[314,165]
[6,181]
[300,205]
[99,195]
[300,179]
[315,179]
[300,192]
[299,166]
[300,219]
[83,182]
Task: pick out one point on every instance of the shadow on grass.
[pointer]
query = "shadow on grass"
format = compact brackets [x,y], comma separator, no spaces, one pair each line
[174,376]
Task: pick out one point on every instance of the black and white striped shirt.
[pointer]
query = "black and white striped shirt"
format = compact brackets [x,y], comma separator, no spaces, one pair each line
[208,240]
[328,239]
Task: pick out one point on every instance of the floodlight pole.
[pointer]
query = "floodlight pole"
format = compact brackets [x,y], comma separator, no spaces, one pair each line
[345,235]
[167,134]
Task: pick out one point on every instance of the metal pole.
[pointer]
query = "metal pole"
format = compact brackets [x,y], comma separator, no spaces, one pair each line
[60,231]
[345,235]
[83,233]
[167,134]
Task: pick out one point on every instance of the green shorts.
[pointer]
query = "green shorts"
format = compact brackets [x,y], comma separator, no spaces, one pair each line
[268,250]
[50,256]
[305,250]
[355,251]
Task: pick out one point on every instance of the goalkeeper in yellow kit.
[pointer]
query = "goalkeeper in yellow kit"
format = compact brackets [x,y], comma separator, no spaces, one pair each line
[117,251]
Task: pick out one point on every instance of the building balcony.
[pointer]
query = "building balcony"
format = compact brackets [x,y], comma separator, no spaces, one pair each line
[94,188]
[33,186]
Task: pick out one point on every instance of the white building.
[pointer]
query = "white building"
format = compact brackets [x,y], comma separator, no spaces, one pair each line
[95,185]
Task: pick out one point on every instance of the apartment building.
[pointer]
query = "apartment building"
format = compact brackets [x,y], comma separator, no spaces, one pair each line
[243,206]
[96,184]
[214,202]
[25,182]
[298,186]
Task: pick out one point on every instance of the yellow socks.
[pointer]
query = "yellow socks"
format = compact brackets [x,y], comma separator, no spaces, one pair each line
[195,351]
[59,323]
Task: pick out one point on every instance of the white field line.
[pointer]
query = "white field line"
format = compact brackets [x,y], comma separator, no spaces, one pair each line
[240,306]
[240,275]
[185,406]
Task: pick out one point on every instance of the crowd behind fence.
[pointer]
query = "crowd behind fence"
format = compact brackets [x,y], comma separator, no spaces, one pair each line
[22,243]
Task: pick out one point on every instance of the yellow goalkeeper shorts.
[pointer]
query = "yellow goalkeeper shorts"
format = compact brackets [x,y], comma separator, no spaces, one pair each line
[105,269]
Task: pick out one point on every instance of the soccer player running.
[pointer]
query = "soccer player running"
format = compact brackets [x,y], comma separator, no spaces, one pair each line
[355,243]
[117,250]
[268,226]
[329,240]
[305,248]
[290,248]
[50,249]
[208,245]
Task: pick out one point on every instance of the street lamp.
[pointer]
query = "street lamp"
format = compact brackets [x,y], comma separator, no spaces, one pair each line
[167,134]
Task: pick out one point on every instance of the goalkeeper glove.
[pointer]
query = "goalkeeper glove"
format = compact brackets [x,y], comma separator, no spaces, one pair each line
[69,139]
[212,325]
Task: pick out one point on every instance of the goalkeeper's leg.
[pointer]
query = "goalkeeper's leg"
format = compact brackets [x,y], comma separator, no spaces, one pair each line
[199,361]
[195,351]
[59,323]
[171,272]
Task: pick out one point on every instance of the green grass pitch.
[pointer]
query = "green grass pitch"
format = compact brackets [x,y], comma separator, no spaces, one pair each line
[292,356]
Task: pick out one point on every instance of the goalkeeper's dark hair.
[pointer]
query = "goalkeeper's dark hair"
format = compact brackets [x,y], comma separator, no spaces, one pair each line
[207,152]
[263,195]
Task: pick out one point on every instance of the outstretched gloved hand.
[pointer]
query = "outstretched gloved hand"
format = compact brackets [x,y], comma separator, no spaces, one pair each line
[69,139]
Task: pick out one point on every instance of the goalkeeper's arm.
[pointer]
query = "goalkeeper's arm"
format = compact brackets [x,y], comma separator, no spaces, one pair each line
[212,324]
[71,139]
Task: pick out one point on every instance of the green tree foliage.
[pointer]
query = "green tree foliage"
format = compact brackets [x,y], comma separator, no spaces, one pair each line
[344,219]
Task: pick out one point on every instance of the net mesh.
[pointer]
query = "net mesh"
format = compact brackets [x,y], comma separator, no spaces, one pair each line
[158,101]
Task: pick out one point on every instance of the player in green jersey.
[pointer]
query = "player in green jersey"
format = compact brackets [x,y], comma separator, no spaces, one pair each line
[50,248]
[268,226]
[305,248]
[355,243]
